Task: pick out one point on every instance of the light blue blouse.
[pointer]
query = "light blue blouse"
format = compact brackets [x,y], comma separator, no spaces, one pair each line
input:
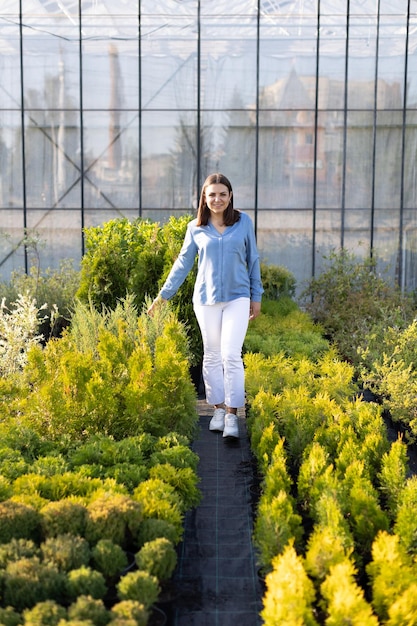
[228,263]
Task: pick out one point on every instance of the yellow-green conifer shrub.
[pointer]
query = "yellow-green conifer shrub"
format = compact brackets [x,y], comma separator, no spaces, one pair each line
[393,474]
[130,610]
[276,525]
[344,600]
[158,558]
[404,610]
[290,594]
[276,477]
[316,475]
[391,572]
[365,515]
[406,523]
[113,516]
[263,427]
[325,548]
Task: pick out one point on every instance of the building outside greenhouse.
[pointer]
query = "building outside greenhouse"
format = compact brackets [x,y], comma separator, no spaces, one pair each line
[114,108]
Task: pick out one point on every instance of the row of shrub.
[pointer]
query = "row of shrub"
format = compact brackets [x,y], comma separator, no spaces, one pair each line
[373,324]
[96,469]
[335,525]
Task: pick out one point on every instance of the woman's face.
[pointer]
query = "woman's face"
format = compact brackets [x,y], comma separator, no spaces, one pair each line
[217,198]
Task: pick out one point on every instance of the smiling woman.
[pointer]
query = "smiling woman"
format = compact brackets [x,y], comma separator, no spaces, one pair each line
[227,294]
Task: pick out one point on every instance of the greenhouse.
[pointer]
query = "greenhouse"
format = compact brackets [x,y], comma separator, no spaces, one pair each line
[114,108]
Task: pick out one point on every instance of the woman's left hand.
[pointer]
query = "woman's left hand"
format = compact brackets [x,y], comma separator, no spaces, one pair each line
[255,309]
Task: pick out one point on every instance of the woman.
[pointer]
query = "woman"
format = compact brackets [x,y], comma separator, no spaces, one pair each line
[227,294]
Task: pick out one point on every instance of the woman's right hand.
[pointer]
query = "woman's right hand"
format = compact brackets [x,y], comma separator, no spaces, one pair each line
[157,302]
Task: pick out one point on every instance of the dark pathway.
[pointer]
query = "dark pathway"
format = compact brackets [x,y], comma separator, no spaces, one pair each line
[216,577]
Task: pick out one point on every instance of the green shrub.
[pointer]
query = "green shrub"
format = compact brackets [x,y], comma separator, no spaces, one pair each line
[392,477]
[277,281]
[158,558]
[349,285]
[49,465]
[289,595]
[66,552]
[406,522]
[9,617]
[6,489]
[139,586]
[316,476]
[391,375]
[276,525]
[404,609]
[12,463]
[85,581]
[160,501]
[325,548]
[63,516]
[18,521]
[344,599]
[121,257]
[28,581]
[88,608]
[391,572]
[55,287]
[19,330]
[130,610]
[283,327]
[17,549]
[46,613]
[177,456]
[109,558]
[183,479]
[113,516]
[152,528]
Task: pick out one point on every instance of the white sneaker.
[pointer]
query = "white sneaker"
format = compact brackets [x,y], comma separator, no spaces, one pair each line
[217,421]
[231,428]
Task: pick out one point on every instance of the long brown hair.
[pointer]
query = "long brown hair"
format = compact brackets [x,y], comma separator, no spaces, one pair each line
[203,212]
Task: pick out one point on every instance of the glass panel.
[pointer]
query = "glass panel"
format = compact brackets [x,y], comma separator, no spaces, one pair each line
[332,61]
[11,237]
[169,164]
[111,177]
[412,65]
[11,178]
[394,7]
[286,159]
[51,61]
[226,137]
[361,67]
[53,180]
[228,63]
[388,159]
[357,231]
[359,160]
[169,62]
[328,236]
[242,8]
[410,250]
[410,162]
[97,217]
[285,238]
[110,62]
[386,240]
[60,233]
[10,56]
[330,137]
[288,63]
[392,59]
[176,8]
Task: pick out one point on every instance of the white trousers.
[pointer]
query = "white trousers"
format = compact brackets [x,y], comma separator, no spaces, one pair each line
[223,328]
